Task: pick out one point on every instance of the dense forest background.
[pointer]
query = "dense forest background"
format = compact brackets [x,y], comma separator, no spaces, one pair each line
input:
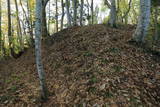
[19,31]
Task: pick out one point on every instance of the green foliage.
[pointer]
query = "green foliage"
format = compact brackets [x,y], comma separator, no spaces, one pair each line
[105,20]
[104,8]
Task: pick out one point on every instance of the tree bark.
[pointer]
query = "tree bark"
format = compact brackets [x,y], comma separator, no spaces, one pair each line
[88,9]
[28,20]
[143,22]
[38,34]
[92,12]
[81,13]
[49,18]
[62,18]
[113,15]
[127,12]
[44,23]
[107,3]
[56,15]
[19,31]
[156,24]
[68,13]
[0,29]
[9,24]
[75,12]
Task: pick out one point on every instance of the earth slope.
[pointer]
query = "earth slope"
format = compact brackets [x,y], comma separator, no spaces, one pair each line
[91,65]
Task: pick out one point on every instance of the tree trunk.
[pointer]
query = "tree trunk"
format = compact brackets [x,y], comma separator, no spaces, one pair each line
[92,11]
[68,13]
[56,16]
[156,24]
[62,18]
[113,15]
[38,34]
[19,31]
[9,24]
[125,16]
[0,30]
[49,18]
[88,11]
[44,23]
[81,13]
[143,22]
[75,12]
[28,20]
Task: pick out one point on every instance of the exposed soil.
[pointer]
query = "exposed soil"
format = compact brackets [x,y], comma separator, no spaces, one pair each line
[85,66]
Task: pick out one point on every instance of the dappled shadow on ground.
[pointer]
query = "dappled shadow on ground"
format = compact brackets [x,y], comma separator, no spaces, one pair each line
[91,65]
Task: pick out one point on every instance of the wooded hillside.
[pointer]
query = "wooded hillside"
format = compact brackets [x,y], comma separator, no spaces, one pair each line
[81,53]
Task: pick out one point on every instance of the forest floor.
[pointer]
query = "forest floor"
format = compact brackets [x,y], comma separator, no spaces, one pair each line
[85,66]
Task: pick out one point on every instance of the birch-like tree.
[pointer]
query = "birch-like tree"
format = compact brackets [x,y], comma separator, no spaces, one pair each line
[81,12]
[19,31]
[113,15]
[56,15]
[92,11]
[143,22]
[38,34]
[75,12]
[62,17]
[0,29]
[68,13]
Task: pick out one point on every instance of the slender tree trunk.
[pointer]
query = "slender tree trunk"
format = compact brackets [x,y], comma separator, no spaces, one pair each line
[125,16]
[62,18]
[19,31]
[49,18]
[156,24]
[56,15]
[0,29]
[2,37]
[81,13]
[28,20]
[88,9]
[44,23]
[75,12]
[38,34]
[92,11]
[68,13]
[9,24]
[23,25]
[113,15]
[143,22]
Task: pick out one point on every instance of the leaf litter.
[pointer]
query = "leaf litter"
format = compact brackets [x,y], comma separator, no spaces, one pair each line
[85,66]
